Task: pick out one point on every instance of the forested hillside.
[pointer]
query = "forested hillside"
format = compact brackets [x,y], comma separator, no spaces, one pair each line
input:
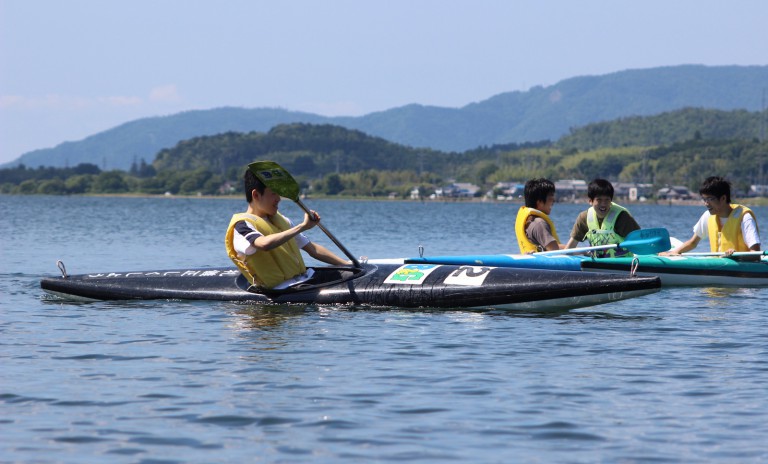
[303,149]
[550,112]
[677,148]
[119,147]
[333,160]
[668,128]
[541,113]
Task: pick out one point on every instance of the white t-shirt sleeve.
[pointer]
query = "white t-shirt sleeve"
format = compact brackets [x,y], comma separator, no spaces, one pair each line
[243,238]
[301,240]
[701,229]
[749,230]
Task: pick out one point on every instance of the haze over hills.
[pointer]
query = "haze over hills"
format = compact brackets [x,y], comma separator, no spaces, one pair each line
[513,117]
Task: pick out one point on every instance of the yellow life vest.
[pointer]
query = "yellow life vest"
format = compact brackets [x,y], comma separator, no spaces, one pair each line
[527,246]
[604,233]
[730,237]
[266,268]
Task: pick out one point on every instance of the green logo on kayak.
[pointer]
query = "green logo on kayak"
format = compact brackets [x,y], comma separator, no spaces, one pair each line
[413,274]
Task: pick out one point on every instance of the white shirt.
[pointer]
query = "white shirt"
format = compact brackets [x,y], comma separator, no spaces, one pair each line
[748,228]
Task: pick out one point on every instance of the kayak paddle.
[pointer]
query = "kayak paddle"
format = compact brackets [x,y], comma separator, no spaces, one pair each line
[282,183]
[639,242]
[720,253]
[676,243]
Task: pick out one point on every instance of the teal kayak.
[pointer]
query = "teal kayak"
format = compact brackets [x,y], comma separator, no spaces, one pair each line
[707,271]
[700,271]
[639,242]
[531,261]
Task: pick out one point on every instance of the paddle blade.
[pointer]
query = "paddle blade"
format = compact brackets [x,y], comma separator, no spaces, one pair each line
[647,241]
[639,242]
[276,178]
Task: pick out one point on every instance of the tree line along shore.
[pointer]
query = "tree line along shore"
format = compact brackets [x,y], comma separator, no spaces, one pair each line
[331,161]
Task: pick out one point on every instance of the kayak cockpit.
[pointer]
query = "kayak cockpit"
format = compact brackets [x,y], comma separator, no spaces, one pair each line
[323,277]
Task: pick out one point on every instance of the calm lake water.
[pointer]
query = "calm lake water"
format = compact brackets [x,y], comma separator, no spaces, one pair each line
[678,376]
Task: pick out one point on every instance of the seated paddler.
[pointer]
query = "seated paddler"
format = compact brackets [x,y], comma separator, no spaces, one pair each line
[604,223]
[534,229]
[265,245]
[730,227]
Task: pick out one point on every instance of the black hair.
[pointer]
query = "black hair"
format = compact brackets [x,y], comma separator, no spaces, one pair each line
[537,189]
[717,187]
[599,187]
[251,182]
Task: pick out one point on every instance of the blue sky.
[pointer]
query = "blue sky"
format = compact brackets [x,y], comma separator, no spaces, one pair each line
[70,69]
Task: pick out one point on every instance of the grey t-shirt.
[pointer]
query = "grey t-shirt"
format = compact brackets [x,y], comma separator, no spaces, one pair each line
[538,232]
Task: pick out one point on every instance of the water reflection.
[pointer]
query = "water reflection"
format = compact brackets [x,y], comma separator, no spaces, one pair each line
[715,292]
[265,317]
[720,293]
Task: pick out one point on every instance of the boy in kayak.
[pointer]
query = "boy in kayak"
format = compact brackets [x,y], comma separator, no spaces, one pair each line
[604,223]
[534,229]
[265,245]
[730,227]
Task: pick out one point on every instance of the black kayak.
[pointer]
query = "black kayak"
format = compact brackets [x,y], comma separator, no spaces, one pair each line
[391,285]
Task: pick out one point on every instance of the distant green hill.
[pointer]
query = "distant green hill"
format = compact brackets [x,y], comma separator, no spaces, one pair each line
[316,150]
[643,150]
[334,160]
[119,147]
[303,149]
[668,128]
[514,117]
[550,112]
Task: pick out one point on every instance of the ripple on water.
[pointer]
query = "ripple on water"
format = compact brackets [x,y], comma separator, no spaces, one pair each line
[559,430]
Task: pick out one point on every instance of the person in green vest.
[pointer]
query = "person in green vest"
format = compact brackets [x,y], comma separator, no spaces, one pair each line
[604,223]
[266,246]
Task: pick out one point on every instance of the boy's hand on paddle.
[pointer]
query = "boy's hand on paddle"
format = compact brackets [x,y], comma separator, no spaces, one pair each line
[311,219]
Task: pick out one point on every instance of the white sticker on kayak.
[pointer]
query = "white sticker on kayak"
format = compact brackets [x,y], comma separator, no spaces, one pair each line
[472,276]
[412,274]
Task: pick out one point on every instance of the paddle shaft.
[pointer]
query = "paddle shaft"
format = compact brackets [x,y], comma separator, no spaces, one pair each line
[720,253]
[354,260]
[575,251]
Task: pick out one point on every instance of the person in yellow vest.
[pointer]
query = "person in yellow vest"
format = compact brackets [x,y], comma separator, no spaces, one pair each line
[266,246]
[534,229]
[730,227]
[604,223]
